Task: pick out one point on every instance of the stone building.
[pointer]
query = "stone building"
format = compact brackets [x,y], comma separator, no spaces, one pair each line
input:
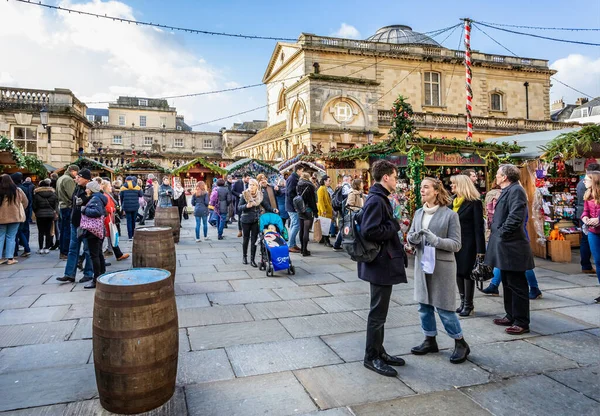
[238,133]
[325,93]
[149,128]
[67,130]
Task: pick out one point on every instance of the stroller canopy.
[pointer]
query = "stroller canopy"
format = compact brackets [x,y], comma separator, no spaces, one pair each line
[273,219]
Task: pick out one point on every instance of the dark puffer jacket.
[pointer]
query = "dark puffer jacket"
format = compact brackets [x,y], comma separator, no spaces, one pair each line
[45,202]
[130,195]
[248,215]
[307,191]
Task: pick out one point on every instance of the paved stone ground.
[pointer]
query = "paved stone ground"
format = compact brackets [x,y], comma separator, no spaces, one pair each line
[293,345]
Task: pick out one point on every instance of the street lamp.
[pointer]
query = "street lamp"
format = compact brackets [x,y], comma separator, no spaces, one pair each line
[44,120]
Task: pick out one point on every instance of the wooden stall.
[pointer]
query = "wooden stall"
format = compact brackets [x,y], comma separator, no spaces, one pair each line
[97,168]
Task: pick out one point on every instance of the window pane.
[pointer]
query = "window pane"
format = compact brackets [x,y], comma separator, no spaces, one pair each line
[31,146]
[427,94]
[435,77]
[436,94]
[20,144]
[496,102]
[30,134]
[427,76]
[19,133]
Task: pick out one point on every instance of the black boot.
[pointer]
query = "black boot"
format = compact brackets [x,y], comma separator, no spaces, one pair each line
[327,242]
[468,307]
[253,256]
[462,304]
[245,260]
[461,351]
[460,282]
[252,262]
[429,345]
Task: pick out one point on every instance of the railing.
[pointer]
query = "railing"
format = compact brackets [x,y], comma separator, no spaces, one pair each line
[449,121]
[423,50]
[33,100]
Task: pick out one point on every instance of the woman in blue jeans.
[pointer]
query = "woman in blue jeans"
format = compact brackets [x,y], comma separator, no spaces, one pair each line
[534,290]
[200,204]
[130,202]
[13,202]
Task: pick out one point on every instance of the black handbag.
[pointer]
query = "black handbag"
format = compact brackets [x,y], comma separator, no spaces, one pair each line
[481,272]
[186,216]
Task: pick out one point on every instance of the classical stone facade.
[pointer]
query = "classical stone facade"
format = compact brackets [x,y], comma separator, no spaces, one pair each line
[149,128]
[337,93]
[68,128]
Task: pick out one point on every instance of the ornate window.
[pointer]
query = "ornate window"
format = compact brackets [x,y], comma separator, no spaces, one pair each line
[25,138]
[432,89]
[117,139]
[496,102]
[300,115]
[178,142]
[281,100]
[207,143]
[342,112]
[148,141]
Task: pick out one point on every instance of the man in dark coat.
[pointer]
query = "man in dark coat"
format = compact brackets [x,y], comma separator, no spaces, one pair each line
[236,190]
[377,224]
[291,191]
[509,250]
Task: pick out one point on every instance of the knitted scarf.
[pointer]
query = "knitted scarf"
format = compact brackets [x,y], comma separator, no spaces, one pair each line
[256,198]
[458,201]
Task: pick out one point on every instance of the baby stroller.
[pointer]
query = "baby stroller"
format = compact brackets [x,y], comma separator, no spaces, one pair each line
[274,251]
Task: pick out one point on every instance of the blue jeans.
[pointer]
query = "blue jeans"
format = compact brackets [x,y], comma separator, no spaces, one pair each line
[65,230]
[594,240]
[22,239]
[221,220]
[294,228]
[448,318]
[73,257]
[204,220]
[8,234]
[130,217]
[529,275]
[584,251]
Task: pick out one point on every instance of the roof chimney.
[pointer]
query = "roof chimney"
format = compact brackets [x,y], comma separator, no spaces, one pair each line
[581,101]
[557,105]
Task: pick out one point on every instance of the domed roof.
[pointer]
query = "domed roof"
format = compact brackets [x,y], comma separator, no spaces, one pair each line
[401,34]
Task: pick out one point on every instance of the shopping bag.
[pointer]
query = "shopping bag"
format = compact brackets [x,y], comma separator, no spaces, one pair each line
[317,231]
[114,234]
[428,259]
[325,225]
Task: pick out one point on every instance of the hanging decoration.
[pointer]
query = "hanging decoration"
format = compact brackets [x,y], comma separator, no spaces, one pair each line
[28,163]
[142,164]
[416,164]
[573,144]
[201,161]
[468,79]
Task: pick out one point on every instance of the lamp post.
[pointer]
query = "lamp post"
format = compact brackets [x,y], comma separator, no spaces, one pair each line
[44,120]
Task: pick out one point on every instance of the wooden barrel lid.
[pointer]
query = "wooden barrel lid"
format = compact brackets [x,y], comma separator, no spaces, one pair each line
[153,229]
[133,280]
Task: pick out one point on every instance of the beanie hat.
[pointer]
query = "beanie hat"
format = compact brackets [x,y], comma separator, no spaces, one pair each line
[93,186]
[85,174]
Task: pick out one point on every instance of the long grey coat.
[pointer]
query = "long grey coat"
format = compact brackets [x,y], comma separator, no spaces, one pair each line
[439,288]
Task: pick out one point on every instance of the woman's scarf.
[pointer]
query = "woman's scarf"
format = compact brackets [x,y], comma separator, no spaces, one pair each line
[256,198]
[457,202]
[177,192]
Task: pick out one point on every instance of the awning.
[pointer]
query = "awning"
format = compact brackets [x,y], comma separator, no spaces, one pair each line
[532,142]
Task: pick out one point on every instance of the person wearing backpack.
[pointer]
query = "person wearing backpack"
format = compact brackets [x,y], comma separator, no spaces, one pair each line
[377,225]
[338,201]
[291,185]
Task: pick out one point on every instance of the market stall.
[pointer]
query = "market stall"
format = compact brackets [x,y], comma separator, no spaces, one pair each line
[253,167]
[13,160]
[288,166]
[142,168]
[97,168]
[196,170]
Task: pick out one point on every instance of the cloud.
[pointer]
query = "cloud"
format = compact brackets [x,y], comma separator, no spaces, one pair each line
[578,71]
[99,59]
[346,31]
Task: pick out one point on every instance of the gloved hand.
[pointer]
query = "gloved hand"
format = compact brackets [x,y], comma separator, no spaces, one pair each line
[430,237]
[414,237]
[78,201]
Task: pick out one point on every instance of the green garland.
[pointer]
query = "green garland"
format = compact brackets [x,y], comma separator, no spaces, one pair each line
[186,168]
[142,164]
[573,144]
[416,164]
[87,163]
[28,163]
[402,123]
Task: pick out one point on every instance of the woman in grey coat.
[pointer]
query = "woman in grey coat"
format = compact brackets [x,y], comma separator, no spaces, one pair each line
[435,225]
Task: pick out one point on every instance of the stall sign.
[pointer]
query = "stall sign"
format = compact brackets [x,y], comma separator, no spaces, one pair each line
[455,159]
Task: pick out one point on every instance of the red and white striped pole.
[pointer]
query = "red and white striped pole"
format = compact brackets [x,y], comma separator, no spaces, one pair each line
[468,79]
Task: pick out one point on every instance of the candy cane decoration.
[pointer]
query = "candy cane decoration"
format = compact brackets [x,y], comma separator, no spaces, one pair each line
[468,78]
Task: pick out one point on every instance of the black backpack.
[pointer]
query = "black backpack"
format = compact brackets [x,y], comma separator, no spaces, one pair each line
[338,199]
[299,204]
[359,249]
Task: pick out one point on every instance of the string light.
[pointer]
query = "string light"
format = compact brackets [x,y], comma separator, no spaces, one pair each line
[577,42]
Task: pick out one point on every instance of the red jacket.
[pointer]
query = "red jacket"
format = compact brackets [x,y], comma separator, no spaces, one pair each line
[110,212]
[591,210]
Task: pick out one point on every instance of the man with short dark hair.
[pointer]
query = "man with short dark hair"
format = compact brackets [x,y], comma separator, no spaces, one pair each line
[509,250]
[471,174]
[290,193]
[65,186]
[377,224]
[584,244]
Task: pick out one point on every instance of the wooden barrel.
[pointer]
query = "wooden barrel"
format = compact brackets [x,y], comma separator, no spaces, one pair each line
[154,247]
[168,217]
[136,340]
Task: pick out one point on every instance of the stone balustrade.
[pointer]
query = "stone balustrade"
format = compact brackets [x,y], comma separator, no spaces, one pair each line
[491,124]
[34,99]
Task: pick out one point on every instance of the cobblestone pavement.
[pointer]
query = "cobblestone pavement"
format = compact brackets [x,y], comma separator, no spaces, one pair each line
[293,345]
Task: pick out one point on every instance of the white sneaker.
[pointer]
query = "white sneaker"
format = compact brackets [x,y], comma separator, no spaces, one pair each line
[41,251]
[46,250]
[198,240]
[206,238]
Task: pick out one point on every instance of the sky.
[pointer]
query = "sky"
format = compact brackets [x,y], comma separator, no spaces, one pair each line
[99,59]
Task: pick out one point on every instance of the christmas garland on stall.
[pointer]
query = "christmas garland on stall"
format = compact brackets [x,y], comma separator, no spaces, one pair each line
[185,168]
[142,164]
[28,163]
[573,144]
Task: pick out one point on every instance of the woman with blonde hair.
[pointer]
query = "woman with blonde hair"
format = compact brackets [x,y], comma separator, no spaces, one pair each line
[200,202]
[591,213]
[467,204]
[436,229]
[356,199]
[250,205]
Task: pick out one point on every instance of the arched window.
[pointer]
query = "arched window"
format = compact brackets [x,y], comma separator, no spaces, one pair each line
[281,100]
[432,88]
[496,101]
